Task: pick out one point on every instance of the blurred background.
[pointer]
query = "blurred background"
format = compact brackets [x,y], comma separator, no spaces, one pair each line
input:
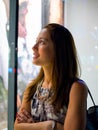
[79,16]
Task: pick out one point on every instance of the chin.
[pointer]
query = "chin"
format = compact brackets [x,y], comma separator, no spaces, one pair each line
[36,63]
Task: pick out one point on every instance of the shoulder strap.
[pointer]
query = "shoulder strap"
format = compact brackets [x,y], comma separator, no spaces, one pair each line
[91,97]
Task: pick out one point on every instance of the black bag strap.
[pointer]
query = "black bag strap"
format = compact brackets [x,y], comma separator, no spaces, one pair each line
[91,97]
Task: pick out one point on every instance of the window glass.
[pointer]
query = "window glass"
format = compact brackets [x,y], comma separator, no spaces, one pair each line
[29,25]
[4,61]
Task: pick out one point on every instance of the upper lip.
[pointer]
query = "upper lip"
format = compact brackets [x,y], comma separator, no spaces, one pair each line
[35,54]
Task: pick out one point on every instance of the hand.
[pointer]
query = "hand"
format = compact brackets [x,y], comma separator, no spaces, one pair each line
[24,117]
[48,125]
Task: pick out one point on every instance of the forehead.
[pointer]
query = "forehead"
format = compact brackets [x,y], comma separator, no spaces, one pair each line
[44,34]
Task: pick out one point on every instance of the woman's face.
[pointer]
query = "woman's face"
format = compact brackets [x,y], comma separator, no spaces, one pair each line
[43,50]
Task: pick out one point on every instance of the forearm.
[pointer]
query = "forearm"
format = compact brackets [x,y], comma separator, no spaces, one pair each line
[28,126]
[24,121]
[46,125]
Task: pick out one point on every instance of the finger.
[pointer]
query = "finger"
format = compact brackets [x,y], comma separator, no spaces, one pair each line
[22,117]
[30,120]
[26,113]
[20,120]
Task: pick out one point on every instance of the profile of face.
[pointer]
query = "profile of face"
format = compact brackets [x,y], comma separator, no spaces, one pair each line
[55,46]
[43,50]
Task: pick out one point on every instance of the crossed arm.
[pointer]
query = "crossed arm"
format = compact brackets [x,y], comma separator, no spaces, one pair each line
[24,119]
[75,117]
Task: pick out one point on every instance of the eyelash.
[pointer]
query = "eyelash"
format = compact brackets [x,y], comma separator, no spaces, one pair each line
[40,42]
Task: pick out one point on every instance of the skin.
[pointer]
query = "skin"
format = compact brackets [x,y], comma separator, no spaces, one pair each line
[18,101]
[76,113]
[43,53]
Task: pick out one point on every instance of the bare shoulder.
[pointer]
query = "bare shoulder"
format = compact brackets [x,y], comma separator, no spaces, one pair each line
[79,85]
[79,90]
[76,113]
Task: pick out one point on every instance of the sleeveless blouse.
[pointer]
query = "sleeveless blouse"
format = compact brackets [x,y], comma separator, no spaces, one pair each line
[42,109]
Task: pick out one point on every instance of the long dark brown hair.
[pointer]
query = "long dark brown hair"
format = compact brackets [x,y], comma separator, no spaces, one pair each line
[65,67]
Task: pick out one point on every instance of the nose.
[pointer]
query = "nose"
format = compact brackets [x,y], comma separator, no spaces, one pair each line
[35,46]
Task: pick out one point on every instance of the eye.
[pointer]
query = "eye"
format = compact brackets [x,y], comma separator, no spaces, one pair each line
[40,42]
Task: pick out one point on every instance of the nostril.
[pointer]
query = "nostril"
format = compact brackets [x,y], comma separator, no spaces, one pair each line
[35,47]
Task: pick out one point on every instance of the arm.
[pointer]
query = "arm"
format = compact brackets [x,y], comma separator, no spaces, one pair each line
[25,105]
[18,101]
[23,119]
[76,114]
[46,125]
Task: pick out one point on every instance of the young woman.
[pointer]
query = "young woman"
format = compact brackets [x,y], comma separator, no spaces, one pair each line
[57,98]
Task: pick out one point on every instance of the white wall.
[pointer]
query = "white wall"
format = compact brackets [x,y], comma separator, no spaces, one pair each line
[82,20]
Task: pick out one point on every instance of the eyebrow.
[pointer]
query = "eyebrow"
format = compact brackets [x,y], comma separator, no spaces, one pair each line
[41,39]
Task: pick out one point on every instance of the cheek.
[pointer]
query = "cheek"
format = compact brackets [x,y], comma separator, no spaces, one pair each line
[48,54]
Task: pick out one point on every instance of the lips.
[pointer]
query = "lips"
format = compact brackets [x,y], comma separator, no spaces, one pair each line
[35,56]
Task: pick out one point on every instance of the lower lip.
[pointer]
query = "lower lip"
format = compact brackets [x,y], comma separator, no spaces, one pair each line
[35,57]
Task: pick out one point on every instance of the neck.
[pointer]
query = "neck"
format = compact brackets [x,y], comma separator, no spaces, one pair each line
[47,77]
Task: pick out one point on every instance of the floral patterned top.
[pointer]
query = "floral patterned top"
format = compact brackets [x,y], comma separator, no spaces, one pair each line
[42,110]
